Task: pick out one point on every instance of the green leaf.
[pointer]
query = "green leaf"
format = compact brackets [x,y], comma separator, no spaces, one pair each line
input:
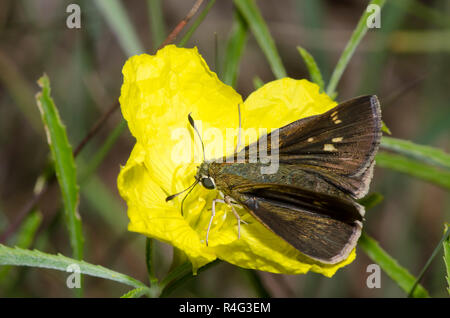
[414,168]
[419,152]
[118,20]
[354,41]
[235,48]
[196,23]
[390,266]
[446,245]
[250,12]
[23,257]
[157,26]
[64,164]
[313,69]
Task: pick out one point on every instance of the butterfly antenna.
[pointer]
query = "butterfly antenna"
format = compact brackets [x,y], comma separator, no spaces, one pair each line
[191,121]
[182,201]
[170,197]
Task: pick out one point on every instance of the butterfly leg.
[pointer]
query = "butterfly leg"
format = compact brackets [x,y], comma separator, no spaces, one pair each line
[229,201]
[213,213]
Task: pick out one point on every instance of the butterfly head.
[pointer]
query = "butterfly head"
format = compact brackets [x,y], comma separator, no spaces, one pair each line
[204,177]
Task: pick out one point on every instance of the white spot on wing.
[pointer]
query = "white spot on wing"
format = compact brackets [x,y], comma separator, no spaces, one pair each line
[329,147]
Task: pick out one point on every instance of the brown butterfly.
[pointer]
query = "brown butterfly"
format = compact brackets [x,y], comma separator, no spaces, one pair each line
[325,163]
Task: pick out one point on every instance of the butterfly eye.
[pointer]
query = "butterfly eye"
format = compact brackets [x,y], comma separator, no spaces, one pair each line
[208,183]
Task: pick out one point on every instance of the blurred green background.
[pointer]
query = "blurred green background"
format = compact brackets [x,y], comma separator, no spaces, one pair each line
[405,62]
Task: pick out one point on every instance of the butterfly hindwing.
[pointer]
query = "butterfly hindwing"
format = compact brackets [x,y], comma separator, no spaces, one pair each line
[322,227]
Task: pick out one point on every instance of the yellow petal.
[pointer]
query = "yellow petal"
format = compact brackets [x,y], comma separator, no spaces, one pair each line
[283,101]
[150,216]
[157,95]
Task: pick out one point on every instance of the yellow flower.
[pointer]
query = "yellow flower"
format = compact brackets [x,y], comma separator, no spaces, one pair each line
[157,95]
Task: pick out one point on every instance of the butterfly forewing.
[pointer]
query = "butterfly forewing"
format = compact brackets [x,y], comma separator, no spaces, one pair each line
[339,145]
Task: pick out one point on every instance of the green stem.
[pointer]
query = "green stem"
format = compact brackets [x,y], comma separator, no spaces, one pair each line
[149,246]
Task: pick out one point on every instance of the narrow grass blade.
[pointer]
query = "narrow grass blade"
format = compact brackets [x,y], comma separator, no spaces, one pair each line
[347,54]
[314,71]
[157,25]
[251,14]
[23,257]
[446,244]
[419,152]
[24,238]
[390,266]
[64,164]
[117,19]
[136,293]
[196,23]
[235,48]
[429,261]
[414,168]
